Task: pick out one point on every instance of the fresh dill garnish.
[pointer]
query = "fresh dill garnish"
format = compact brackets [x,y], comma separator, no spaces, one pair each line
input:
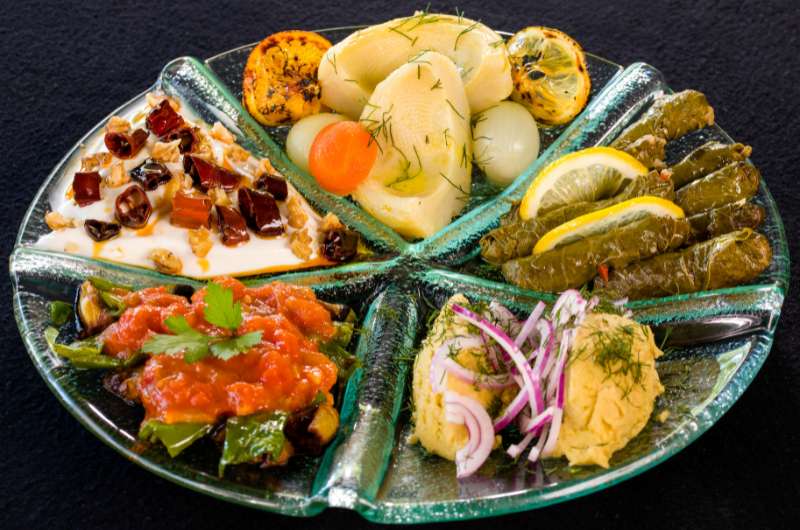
[464,32]
[396,30]
[464,194]
[332,59]
[613,352]
[447,137]
[497,43]
[460,15]
[351,81]
[464,162]
[455,109]
[437,85]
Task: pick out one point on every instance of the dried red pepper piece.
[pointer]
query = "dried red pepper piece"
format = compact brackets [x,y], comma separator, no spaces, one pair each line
[126,145]
[100,230]
[86,187]
[232,226]
[187,138]
[163,119]
[340,245]
[151,174]
[260,211]
[132,207]
[191,211]
[275,186]
[208,175]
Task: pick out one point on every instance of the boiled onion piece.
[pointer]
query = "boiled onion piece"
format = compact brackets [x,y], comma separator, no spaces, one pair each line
[506,141]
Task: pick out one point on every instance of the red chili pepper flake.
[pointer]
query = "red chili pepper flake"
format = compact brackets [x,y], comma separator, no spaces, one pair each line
[163,119]
[86,186]
[208,175]
[602,270]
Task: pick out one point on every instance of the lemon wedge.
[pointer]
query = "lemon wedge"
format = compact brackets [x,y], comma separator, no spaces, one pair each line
[607,219]
[549,73]
[587,175]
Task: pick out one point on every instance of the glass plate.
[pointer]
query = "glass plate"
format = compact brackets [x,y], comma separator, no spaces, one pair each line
[370,467]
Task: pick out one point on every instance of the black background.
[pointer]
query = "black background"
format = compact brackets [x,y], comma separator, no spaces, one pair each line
[64,67]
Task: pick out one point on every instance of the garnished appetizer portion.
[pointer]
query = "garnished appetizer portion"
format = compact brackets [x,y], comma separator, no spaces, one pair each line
[578,381]
[417,102]
[252,368]
[163,191]
[602,217]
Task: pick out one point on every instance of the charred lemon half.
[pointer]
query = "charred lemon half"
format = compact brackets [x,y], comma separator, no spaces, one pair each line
[549,73]
[280,79]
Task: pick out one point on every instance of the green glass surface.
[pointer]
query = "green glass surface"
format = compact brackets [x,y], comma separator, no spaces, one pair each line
[370,467]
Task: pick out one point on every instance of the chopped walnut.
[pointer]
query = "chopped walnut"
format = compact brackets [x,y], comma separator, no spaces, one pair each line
[265,167]
[330,222]
[165,261]
[166,151]
[117,176]
[202,144]
[96,161]
[56,221]
[236,153]
[200,241]
[154,99]
[300,243]
[118,124]
[222,134]
[297,216]
[219,197]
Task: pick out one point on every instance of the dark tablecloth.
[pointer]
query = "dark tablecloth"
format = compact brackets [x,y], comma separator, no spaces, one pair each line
[64,67]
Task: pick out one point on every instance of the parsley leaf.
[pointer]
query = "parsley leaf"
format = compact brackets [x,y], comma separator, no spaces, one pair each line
[220,309]
[227,348]
[188,341]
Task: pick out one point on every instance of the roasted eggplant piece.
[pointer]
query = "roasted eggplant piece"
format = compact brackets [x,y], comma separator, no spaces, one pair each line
[573,265]
[100,230]
[649,150]
[730,184]
[310,430]
[669,117]
[706,159]
[728,218]
[516,237]
[151,174]
[91,314]
[731,259]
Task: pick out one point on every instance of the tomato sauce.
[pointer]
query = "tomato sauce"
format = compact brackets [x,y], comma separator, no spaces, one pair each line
[285,371]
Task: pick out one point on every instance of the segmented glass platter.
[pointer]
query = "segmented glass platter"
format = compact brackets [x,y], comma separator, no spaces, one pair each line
[370,467]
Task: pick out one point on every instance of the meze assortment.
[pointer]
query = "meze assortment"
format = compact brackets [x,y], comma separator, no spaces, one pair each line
[403,117]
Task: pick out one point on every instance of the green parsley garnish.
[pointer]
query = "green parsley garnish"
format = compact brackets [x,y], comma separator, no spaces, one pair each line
[194,345]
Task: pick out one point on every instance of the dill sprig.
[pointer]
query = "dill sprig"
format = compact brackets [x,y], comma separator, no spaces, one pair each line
[437,85]
[455,109]
[464,32]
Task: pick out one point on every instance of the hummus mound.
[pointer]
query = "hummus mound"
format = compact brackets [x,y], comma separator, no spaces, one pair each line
[608,399]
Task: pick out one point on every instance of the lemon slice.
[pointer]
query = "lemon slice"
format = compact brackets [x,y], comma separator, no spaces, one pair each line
[587,175]
[607,219]
[548,69]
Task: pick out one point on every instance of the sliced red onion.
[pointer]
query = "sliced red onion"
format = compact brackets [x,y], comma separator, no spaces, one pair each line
[533,456]
[514,450]
[546,343]
[481,438]
[437,371]
[534,425]
[506,343]
[512,411]
[480,380]
[552,436]
[504,317]
[530,324]
[535,428]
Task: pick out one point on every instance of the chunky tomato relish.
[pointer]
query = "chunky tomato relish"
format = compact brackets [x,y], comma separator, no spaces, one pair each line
[285,371]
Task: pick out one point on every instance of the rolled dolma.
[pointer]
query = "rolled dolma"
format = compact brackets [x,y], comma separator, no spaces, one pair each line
[649,150]
[728,218]
[706,159]
[730,259]
[575,264]
[733,182]
[670,117]
[516,237]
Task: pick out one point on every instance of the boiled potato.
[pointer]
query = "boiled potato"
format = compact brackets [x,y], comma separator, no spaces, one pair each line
[506,141]
[280,79]
[302,134]
[353,68]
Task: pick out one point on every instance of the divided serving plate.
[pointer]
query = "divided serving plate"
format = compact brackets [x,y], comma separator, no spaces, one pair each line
[370,467]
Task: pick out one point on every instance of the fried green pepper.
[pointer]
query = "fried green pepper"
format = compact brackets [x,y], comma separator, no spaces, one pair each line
[707,158]
[733,182]
[516,237]
[730,259]
[670,117]
[728,218]
[649,150]
[575,264]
